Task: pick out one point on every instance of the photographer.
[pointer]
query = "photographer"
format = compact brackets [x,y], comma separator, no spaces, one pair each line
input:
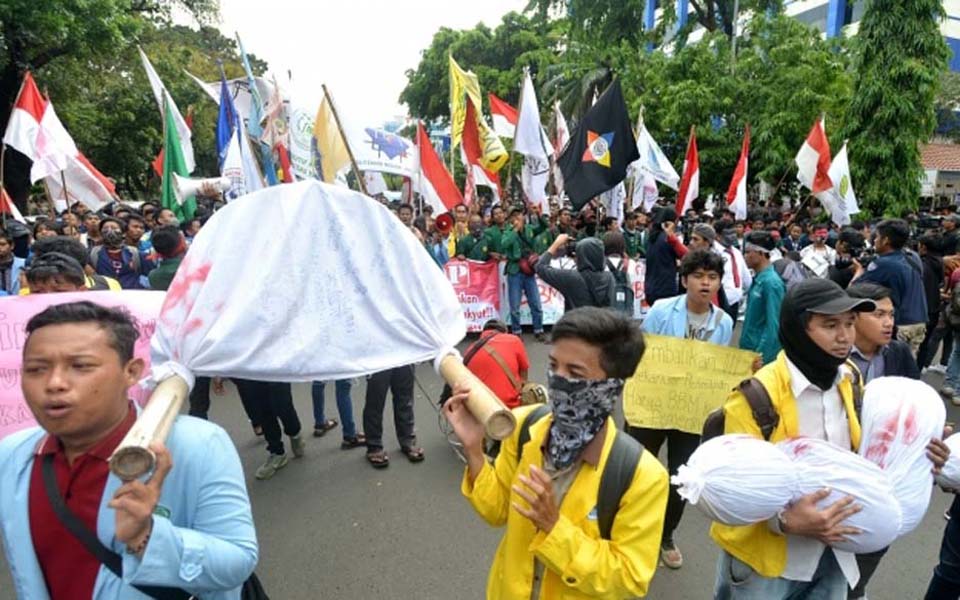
[851,246]
[590,284]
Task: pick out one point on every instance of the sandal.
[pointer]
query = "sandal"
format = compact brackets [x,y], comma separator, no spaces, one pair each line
[378,459]
[324,428]
[353,442]
[413,453]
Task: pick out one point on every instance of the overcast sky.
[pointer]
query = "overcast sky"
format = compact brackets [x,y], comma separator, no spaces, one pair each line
[359,48]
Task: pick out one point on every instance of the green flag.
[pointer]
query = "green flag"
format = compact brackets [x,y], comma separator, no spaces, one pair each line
[173,162]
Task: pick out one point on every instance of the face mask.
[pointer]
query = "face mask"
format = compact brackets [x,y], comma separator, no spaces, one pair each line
[112,238]
[580,408]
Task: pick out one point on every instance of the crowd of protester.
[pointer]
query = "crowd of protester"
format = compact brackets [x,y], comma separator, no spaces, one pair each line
[815,301]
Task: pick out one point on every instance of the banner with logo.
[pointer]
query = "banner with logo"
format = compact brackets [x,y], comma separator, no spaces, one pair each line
[15,311]
[477,285]
[551,301]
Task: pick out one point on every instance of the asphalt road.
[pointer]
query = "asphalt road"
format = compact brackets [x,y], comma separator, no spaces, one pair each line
[332,527]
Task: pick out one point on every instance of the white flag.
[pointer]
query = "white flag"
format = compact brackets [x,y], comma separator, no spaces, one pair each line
[563,136]
[842,183]
[654,161]
[613,201]
[531,140]
[239,166]
[534,178]
[159,92]
[645,192]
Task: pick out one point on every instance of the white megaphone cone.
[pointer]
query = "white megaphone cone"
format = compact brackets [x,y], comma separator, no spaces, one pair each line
[184,187]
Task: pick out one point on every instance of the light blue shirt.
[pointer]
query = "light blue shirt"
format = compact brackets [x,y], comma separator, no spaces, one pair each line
[203,538]
[668,316]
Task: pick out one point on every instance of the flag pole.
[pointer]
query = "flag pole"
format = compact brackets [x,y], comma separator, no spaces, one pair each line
[346,143]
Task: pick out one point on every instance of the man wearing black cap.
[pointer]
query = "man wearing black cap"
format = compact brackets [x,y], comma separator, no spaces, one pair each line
[810,385]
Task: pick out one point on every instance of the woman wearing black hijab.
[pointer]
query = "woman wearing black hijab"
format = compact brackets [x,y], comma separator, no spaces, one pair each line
[664,249]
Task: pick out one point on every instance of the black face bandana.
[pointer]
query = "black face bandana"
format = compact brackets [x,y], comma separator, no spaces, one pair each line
[818,366]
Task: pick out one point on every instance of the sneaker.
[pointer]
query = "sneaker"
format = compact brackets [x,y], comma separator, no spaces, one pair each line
[947,391]
[273,464]
[670,556]
[955,400]
[541,337]
[297,446]
[937,369]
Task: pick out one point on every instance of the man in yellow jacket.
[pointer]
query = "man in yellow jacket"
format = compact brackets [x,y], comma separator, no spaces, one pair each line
[546,491]
[810,385]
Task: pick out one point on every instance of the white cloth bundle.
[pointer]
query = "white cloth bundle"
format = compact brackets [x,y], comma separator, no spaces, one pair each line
[305,281]
[949,476]
[737,479]
[820,464]
[900,417]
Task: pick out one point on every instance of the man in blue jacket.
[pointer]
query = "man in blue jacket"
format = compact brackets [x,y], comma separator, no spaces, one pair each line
[188,526]
[892,270]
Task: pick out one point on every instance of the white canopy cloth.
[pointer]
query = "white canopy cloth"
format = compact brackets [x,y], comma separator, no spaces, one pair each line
[301,282]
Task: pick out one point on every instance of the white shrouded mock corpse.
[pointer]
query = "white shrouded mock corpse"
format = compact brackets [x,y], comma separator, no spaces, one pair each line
[304,282]
[900,417]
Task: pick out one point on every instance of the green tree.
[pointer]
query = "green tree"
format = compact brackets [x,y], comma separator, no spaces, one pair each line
[83,53]
[497,57]
[901,57]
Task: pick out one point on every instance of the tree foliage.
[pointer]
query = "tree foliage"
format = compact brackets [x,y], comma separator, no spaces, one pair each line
[83,54]
[497,56]
[901,57]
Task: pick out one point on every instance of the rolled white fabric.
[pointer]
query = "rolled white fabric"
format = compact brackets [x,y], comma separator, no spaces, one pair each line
[737,480]
[949,476]
[820,464]
[900,416]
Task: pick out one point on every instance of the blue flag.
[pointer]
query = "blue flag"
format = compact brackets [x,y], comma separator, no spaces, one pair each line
[256,115]
[226,122]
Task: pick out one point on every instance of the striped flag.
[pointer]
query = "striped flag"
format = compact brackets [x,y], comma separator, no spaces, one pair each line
[737,192]
[504,117]
[436,185]
[690,182]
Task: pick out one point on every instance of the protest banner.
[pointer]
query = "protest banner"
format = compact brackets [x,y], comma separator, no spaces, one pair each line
[477,286]
[636,271]
[15,311]
[680,381]
[551,302]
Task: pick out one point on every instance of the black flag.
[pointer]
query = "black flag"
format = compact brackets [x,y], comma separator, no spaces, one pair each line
[601,147]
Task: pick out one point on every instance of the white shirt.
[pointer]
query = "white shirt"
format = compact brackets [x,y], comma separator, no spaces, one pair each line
[818,260]
[821,415]
[733,292]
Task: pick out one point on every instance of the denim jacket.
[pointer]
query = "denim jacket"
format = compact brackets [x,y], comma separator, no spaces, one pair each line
[203,538]
[669,317]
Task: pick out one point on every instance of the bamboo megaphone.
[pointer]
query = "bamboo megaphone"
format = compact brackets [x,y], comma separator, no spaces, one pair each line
[497,419]
[133,457]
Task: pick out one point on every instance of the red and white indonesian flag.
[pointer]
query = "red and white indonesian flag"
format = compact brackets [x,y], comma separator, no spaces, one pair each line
[813,160]
[504,117]
[472,155]
[160,92]
[737,192]
[35,131]
[434,182]
[690,182]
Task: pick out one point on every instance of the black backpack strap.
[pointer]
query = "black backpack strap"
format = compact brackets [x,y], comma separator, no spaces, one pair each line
[477,345]
[532,417]
[616,479]
[760,405]
[77,529]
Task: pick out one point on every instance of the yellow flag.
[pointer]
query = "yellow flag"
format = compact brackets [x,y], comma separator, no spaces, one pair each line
[462,84]
[329,144]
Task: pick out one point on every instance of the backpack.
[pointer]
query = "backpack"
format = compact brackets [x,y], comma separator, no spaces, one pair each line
[762,408]
[951,312]
[791,272]
[622,297]
[617,473]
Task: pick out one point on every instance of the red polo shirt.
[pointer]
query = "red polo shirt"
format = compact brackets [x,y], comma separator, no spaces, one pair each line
[69,570]
[487,370]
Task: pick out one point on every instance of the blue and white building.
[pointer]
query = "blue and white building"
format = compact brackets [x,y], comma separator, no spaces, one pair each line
[833,17]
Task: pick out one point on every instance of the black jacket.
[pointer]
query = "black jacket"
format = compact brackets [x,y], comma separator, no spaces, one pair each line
[898,361]
[590,285]
[932,281]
